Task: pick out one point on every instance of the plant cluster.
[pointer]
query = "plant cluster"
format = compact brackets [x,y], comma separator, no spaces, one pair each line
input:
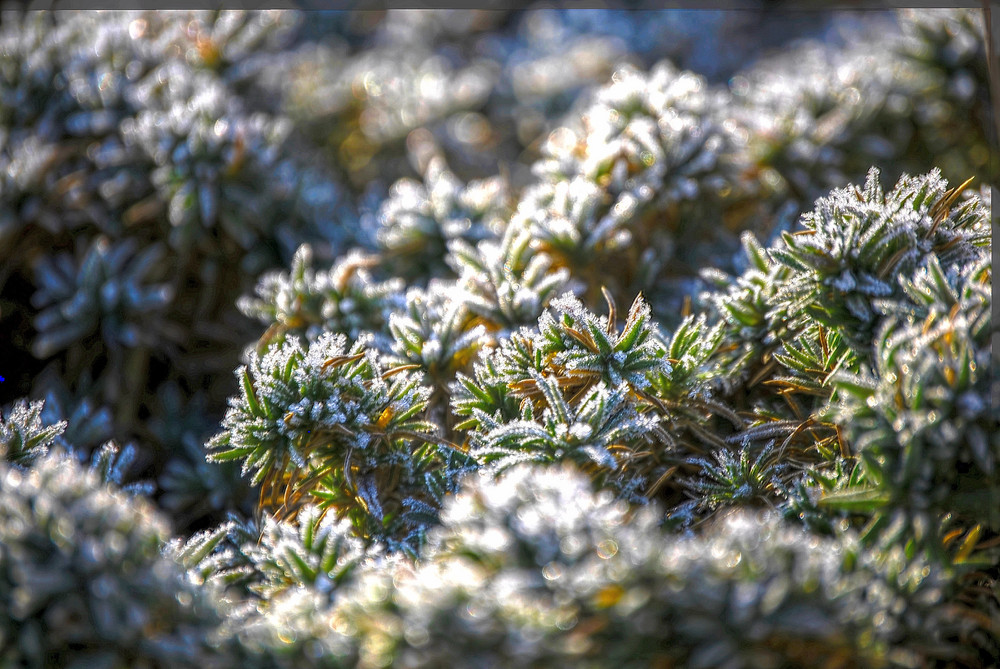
[448,442]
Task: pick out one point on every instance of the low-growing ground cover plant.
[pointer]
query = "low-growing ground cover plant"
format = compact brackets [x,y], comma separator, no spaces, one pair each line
[368,340]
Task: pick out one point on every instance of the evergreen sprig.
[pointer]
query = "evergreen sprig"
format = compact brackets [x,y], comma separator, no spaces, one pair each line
[507,282]
[436,333]
[314,551]
[24,436]
[306,302]
[856,242]
[600,433]
[922,425]
[330,424]
[577,349]
[739,478]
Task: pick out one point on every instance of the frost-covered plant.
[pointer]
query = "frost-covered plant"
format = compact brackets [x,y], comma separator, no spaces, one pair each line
[923,424]
[224,174]
[507,282]
[682,388]
[417,222]
[24,437]
[649,415]
[345,298]
[577,389]
[325,423]
[252,566]
[568,219]
[652,135]
[934,290]
[320,553]
[207,162]
[855,243]
[577,349]
[218,559]
[620,185]
[869,272]
[584,346]
[836,372]
[53,102]
[105,303]
[115,99]
[811,359]
[600,433]
[740,478]
[28,433]
[818,295]
[436,333]
[82,578]
[741,306]
[689,352]
[693,418]
[274,580]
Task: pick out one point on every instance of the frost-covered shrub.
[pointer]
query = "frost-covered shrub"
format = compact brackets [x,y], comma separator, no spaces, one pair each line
[848,330]
[564,357]
[259,562]
[923,423]
[83,581]
[622,405]
[834,276]
[321,554]
[762,400]
[855,244]
[417,223]
[620,183]
[344,298]
[325,423]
